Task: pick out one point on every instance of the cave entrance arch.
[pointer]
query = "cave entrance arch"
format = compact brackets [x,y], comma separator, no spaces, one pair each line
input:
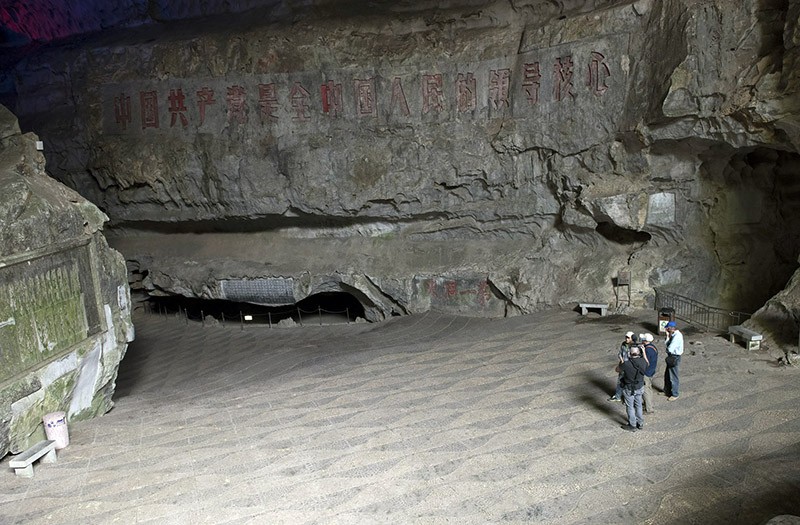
[333,306]
[316,309]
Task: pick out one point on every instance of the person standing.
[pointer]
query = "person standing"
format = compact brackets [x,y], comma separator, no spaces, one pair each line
[624,348]
[633,387]
[673,361]
[651,356]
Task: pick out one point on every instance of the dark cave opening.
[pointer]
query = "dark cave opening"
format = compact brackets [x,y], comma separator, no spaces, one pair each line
[753,215]
[317,309]
[614,233]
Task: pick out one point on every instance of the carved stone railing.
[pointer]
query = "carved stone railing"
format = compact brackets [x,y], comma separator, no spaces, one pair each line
[699,314]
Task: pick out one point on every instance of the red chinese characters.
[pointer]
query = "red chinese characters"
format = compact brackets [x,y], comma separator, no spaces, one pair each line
[484,293]
[177,107]
[432,288]
[205,98]
[531,82]
[466,92]
[149,109]
[399,101]
[299,98]
[562,78]
[237,104]
[331,94]
[268,101]
[598,72]
[122,111]
[449,292]
[432,94]
[499,87]
[473,92]
[366,100]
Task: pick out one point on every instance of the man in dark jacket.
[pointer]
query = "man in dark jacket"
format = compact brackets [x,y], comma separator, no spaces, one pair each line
[651,356]
[633,372]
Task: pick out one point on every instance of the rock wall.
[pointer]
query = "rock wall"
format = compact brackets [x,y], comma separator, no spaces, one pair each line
[64,299]
[486,158]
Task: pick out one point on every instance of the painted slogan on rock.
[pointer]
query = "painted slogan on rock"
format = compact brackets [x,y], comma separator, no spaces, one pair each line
[458,294]
[559,89]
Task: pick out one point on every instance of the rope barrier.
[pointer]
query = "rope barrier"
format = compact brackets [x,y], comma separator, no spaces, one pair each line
[228,316]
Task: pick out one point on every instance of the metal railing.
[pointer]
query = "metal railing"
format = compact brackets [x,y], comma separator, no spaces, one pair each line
[699,314]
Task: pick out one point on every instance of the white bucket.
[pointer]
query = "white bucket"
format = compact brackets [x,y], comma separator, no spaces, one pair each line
[55,427]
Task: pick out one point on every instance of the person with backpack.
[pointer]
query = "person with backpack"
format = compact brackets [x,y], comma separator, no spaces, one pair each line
[622,355]
[651,356]
[633,373]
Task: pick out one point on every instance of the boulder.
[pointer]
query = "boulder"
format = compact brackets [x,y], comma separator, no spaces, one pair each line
[64,298]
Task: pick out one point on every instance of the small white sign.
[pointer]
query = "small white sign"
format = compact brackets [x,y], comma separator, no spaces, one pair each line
[661,209]
[122,297]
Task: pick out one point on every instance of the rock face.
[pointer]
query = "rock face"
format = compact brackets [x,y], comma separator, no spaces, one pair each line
[64,298]
[486,158]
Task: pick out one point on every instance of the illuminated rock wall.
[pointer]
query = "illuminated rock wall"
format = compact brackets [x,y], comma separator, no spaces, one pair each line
[487,158]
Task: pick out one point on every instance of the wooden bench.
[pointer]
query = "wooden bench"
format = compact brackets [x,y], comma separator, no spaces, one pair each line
[753,339]
[585,307]
[23,464]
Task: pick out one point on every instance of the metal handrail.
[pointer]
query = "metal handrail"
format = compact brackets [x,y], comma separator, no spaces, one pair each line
[696,313]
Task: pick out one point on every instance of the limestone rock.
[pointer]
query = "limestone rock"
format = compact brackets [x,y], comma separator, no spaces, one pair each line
[64,300]
[9,126]
[481,158]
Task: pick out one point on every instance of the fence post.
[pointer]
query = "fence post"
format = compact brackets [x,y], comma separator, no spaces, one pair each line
[300,316]
[270,318]
[202,317]
[223,317]
[347,311]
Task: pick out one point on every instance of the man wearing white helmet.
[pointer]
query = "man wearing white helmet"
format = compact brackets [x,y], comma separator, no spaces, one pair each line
[651,355]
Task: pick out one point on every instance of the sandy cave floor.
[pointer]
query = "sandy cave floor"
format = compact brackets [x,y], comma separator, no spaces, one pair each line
[422,419]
